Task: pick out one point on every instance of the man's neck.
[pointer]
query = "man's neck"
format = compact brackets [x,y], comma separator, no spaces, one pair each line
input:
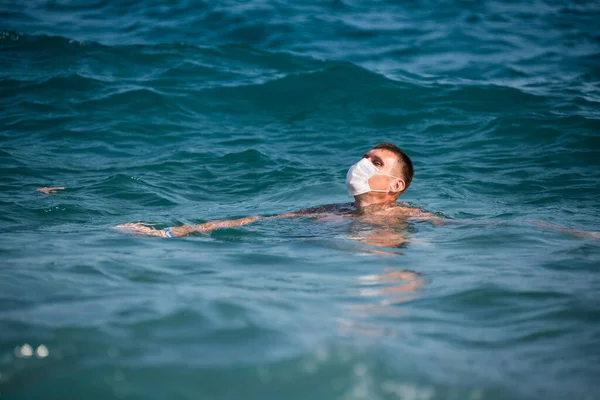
[363,202]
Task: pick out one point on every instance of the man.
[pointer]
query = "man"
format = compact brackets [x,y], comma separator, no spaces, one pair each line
[376,181]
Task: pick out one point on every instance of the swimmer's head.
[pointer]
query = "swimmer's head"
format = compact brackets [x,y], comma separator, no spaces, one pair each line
[395,167]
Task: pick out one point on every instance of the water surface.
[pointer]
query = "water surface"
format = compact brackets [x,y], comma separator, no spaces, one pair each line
[174,113]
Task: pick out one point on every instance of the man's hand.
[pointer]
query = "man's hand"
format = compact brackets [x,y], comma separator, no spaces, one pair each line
[48,190]
[141,229]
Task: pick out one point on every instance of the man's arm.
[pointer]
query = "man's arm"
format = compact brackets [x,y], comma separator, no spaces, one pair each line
[184,230]
[578,233]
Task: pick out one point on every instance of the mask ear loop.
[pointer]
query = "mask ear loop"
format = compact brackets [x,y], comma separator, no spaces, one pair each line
[396,177]
[392,176]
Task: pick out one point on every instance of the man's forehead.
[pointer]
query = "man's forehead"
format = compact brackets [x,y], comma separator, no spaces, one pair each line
[384,154]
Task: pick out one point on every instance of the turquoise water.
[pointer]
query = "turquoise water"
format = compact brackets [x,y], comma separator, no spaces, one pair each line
[173,113]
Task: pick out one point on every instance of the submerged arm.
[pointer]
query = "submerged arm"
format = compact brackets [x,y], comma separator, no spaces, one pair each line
[578,233]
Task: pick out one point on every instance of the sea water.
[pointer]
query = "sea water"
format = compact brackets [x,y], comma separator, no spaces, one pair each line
[185,112]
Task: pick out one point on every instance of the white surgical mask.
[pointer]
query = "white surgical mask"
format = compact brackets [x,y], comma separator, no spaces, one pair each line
[357,179]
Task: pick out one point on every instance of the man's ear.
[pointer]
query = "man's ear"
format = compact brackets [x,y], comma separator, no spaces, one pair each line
[398,185]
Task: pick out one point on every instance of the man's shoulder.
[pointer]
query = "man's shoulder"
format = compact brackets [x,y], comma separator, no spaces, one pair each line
[409,211]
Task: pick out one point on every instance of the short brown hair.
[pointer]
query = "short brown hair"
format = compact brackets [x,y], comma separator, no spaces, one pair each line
[404,161]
